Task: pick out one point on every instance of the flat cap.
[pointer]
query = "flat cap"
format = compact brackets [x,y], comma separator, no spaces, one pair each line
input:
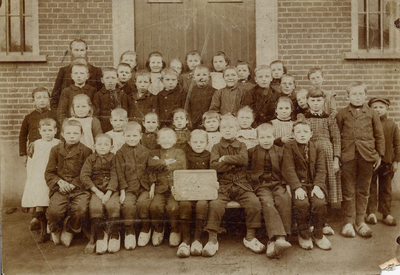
[379,99]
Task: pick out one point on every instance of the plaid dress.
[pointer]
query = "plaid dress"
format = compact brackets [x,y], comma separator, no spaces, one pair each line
[326,134]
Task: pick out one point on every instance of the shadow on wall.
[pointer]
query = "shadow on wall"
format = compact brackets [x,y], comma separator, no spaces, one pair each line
[13,175]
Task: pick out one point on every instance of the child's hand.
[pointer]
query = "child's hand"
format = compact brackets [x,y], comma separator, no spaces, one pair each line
[122,196]
[317,192]
[152,189]
[287,139]
[300,194]
[71,187]
[25,160]
[106,197]
[100,195]
[155,157]
[221,159]
[377,163]
[169,161]
[336,166]
[394,166]
[63,186]
[288,190]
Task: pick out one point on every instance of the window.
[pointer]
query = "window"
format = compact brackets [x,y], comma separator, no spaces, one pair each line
[19,36]
[374,33]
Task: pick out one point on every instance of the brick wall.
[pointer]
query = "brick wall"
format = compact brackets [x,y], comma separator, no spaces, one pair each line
[60,22]
[317,33]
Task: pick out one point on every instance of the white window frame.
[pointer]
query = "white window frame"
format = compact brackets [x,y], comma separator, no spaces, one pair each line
[356,53]
[33,56]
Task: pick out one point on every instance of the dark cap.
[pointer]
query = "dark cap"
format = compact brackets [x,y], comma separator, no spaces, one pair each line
[379,99]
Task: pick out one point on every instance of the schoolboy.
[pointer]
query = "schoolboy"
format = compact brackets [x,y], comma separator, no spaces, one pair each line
[130,58]
[211,120]
[176,65]
[108,98]
[165,161]
[277,71]
[199,98]
[197,157]
[192,60]
[134,178]
[262,98]
[141,101]
[316,78]
[170,98]
[78,49]
[363,147]
[66,189]
[124,73]
[303,168]
[265,176]
[246,134]
[79,75]
[118,120]
[382,189]
[99,175]
[229,158]
[149,137]
[301,106]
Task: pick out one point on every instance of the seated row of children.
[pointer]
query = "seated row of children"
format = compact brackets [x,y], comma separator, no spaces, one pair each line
[304,169]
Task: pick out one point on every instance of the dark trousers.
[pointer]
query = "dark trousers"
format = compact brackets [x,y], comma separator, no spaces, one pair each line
[356,181]
[381,187]
[76,201]
[96,208]
[135,204]
[186,210]
[163,207]
[247,199]
[309,211]
[276,205]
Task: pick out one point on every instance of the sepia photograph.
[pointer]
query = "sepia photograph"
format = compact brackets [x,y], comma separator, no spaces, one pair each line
[200,137]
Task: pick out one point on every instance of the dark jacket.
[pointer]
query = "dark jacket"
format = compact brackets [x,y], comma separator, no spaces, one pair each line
[233,169]
[30,128]
[100,171]
[256,166]
[228,100]
[66,166]
[64,80]
[361,131]
[138,107]
[197,160]
[297,172]
[67,95]
[133,168]
[262,105]
[104,102]
[198,102]
[167,101]
[392,140]
[149,140]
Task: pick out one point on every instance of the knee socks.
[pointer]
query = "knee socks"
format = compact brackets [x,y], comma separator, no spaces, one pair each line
[199,229]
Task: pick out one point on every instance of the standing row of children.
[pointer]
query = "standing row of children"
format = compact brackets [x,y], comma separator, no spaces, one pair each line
[252,167]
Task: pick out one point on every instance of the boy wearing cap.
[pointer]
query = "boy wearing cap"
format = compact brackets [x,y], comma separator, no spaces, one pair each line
[388,167]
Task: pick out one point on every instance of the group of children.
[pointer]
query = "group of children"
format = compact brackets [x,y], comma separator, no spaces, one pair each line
[120,145]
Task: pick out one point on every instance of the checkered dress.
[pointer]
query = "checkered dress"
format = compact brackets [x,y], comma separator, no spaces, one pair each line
[326,134]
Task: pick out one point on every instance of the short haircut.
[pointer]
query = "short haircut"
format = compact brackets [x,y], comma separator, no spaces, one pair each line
[80,61]
[47,122]
[81,97]
[289,76]
[211,114]
[198,132]
[220,53]
[127,53]
[151,55]
[229,117]
[315,92]
[239,63]
[356,84]
[201,67]
[119,112]
[80,65]
[133,126]
[279,62]
[231,68]
[78,40]
[164,131]
[194,53]
[40,90]
[124,65]
[314,70]
[150,114]
[143,73]
[99,136]
[180,110]
[246,109]
[167,71]
[175,60]
[301,90]
[301,119]
[71,122]
[284,99]
[108,69]
[260,68]
[265,127]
